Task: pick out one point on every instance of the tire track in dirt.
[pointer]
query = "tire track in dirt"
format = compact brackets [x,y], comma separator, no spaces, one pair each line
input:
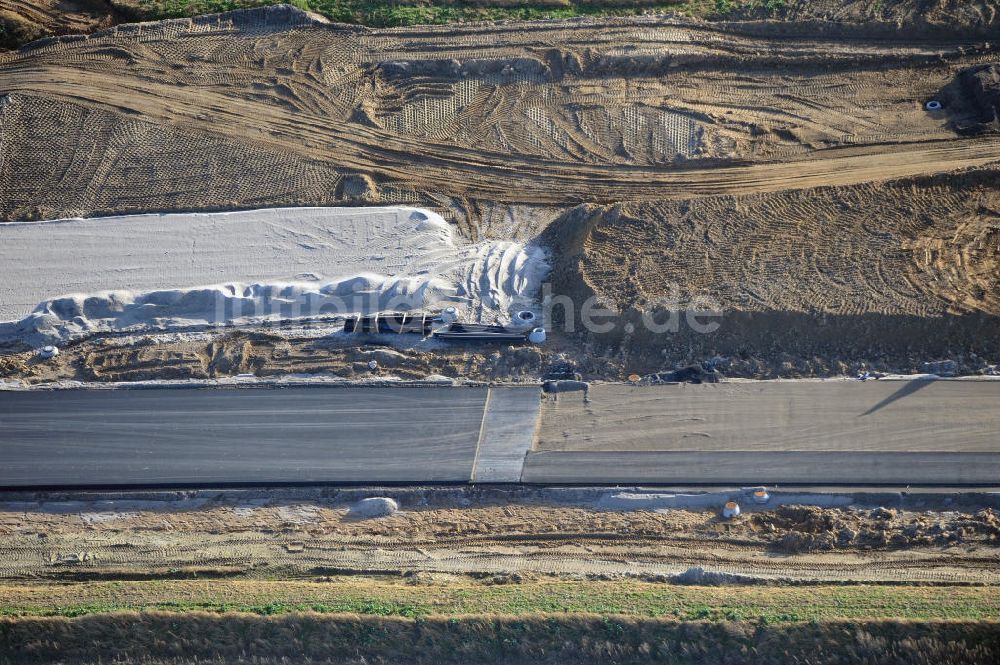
[457,170]
[305,540]
[554,113]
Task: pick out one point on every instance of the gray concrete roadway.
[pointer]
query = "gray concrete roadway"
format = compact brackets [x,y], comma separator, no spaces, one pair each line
[836,433]
[766,432]
[204,436]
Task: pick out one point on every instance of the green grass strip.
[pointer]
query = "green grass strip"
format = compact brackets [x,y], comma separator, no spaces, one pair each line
[760,604]
[417,12]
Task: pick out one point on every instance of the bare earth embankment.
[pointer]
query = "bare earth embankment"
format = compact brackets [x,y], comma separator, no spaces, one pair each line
[793,177]
[496,534]
[22,21]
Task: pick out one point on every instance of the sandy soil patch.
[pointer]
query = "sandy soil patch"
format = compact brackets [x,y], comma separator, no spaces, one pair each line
[273,356]
[27,20]
[472,537]
[518,115]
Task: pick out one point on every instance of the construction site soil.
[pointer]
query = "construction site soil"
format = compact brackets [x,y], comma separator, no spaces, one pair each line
[507,536]
[270,356]
[784,173]
[22,21]
[26,20]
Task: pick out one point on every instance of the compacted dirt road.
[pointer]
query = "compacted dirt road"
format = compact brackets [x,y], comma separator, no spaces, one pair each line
[462,533]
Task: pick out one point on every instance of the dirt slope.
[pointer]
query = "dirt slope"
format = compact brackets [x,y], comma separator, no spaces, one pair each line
[25,20]
[792,175]
[966,13]
[554,113]
[920,248]
[880,272]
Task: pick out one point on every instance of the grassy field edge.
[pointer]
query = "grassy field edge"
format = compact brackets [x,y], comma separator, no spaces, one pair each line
[387,598]
[158,637]
[380,14]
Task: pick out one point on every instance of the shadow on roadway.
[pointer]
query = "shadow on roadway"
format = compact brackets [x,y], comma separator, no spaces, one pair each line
[909,387]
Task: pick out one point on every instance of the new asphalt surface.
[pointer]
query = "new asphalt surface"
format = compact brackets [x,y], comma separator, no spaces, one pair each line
[207,436]
[899,433]
[892,433]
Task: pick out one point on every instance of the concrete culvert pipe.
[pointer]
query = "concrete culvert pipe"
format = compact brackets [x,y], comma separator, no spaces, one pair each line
[730,510]
[449,315]
[933,105]
[537,336]
[378,506]
[48,352]
[523,320]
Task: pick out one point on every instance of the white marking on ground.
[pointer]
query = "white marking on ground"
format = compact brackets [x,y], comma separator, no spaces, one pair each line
[507,435]
[148,272]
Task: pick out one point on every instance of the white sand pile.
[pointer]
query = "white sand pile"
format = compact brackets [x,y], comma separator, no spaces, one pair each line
[156,272]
